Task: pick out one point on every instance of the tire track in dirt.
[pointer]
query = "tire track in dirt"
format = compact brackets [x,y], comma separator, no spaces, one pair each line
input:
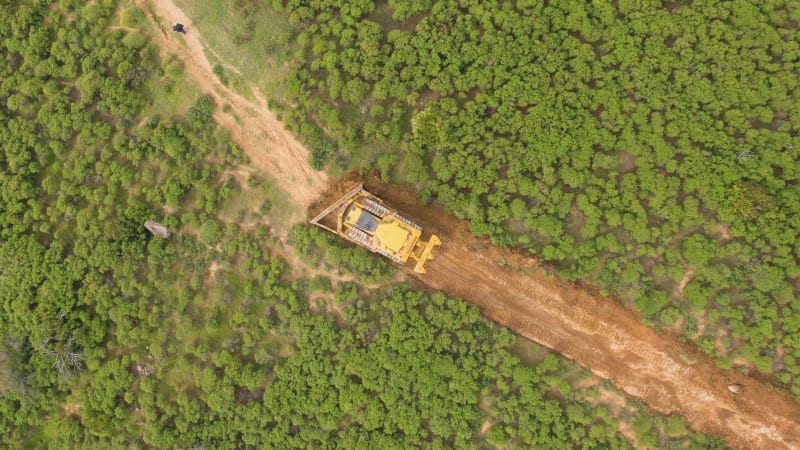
[257,131]
[604,336]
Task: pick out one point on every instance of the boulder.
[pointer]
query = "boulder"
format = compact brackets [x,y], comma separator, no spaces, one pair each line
[736,388]
[157,229]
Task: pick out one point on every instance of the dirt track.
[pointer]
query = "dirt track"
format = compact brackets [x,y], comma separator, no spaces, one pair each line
[611,341]
[596,332]
[604,336]
[254,127]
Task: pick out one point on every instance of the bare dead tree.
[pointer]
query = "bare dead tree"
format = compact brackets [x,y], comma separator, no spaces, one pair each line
[142,370]
[64,353]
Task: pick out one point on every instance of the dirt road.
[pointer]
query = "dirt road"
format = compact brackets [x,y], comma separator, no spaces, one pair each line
[604,336]
[254,127]
[596,332]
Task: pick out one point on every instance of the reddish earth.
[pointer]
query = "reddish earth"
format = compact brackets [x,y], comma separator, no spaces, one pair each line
[602,335]
[595,331]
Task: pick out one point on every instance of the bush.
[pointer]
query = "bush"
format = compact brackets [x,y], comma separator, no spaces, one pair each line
[322,150]
[132,17]
[134,40]
[696,295]
[651,304]
[675,426]
[172,66]
[669,316]
[211,233]
[219,71]
[201,115]
[265,207]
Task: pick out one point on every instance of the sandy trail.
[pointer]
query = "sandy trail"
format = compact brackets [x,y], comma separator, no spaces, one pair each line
[596,332]
[258,132]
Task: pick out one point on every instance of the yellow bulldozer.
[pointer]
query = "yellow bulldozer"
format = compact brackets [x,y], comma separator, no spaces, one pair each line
[365,220]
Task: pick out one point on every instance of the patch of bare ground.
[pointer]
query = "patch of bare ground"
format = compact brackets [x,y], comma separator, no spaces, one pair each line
[230,67]
[627,162]
[616,404]
[123,28]
[240,174]
[724,232]
[255,129]
[485,427]
[71,409]
[687,277]
[745,364]
[485,404]
[213,268]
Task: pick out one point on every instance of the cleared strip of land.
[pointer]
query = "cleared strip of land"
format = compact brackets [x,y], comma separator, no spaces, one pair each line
[610,340]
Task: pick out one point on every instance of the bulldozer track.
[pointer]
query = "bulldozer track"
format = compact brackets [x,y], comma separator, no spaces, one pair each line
[602,335]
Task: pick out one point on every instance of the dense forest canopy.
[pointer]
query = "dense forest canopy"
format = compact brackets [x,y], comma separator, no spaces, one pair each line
[648,147]
[113,338]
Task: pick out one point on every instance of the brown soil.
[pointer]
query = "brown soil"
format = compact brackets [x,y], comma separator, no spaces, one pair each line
[612,341]
[627,162]
[485,427]
[268,145]
[724,232]
[71,409]
[687,277]
[596,332]
[213,268]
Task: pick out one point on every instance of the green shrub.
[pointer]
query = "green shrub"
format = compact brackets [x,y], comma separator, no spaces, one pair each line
[219,71]
[134,40]
[132,17]
[210,233]
[201,115]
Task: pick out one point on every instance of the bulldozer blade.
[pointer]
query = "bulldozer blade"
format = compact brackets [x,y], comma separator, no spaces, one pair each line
[427,254]
[337,204]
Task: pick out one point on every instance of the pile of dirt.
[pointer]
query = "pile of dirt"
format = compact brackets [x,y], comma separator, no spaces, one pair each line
[157,229]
